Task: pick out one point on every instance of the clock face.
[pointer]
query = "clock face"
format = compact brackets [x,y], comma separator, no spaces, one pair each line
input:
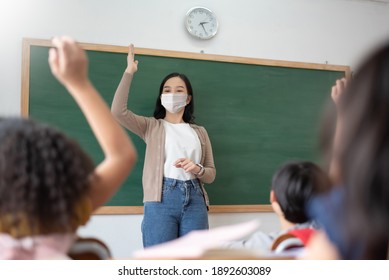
[201,23]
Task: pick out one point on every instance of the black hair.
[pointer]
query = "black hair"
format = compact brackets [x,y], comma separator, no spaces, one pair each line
[43,176]
[364,154]
[294,184]
[160,111]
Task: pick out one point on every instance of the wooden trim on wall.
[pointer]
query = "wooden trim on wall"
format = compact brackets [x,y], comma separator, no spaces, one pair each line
[25,87]
[201,56]
[27,42]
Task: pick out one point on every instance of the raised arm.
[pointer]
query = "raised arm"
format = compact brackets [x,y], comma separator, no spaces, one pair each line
[132,64]
[125,117]
[336,92]
[68,63]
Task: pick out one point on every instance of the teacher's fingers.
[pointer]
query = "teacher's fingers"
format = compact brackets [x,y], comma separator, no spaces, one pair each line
[185,163]
[179,161]
[182,163]
[190,167]
[131,51]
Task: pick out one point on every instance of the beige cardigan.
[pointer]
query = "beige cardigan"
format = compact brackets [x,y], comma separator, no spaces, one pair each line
[152,131]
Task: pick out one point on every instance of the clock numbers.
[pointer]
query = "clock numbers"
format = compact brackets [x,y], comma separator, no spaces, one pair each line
[201,23]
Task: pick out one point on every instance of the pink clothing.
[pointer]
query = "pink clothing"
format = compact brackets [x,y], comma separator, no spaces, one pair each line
[41,247]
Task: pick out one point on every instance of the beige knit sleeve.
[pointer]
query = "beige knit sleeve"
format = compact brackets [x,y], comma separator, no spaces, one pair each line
[209,166]
[135,123]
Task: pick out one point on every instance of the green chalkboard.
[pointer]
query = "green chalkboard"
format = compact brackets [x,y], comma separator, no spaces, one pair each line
[257,115]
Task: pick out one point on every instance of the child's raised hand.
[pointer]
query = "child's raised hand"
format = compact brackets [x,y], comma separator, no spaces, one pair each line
[338,89]
[68,62]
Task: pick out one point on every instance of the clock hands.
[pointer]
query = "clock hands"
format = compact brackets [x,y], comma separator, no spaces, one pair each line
[202,25]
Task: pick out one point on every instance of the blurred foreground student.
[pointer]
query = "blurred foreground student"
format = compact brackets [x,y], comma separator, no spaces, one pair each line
[178,159]
[48,184]
[293,185]
[355,213]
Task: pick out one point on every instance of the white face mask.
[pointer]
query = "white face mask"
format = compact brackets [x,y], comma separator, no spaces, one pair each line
[174,102]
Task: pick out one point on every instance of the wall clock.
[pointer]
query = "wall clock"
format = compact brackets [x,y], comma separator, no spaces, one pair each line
[201,23]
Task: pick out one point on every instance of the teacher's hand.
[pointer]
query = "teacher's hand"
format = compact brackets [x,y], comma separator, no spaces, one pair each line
[132,65]
[188,165]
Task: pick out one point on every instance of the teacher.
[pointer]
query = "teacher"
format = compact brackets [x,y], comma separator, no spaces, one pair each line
[178,159]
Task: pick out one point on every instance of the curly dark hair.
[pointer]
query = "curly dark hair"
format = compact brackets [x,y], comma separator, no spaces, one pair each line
[43,176]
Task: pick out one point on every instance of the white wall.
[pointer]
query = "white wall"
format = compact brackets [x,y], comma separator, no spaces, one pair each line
[333,31]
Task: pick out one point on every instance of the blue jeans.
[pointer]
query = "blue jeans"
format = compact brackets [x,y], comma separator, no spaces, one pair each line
[181,210]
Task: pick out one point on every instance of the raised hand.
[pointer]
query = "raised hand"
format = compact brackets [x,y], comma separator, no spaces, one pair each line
[338,89]
[132,65]
[68,62]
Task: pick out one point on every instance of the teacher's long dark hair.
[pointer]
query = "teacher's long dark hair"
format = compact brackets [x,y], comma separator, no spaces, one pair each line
[160,111]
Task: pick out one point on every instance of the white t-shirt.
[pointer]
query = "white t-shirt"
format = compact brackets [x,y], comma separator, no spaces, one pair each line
[181,141]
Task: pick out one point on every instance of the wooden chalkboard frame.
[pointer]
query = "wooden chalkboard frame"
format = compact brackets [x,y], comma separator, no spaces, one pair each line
[118,210]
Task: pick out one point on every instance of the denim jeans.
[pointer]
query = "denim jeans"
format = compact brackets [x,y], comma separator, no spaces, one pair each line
[181,210]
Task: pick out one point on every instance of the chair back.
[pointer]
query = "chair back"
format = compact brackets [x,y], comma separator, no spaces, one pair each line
[286,242]
[89,248]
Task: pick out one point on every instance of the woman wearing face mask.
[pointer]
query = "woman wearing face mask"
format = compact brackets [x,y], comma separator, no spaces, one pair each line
[178,159]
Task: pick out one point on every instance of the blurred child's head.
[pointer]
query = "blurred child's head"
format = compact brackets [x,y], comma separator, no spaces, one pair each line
[362,152]
[43,179]
[293,185]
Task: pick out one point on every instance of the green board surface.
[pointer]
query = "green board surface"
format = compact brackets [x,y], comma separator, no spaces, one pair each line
[257,116]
